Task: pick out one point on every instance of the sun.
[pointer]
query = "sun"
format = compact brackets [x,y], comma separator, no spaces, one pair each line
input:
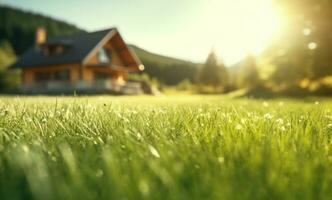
[239,27]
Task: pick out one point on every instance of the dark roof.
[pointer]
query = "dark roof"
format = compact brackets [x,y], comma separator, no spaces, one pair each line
[77,48]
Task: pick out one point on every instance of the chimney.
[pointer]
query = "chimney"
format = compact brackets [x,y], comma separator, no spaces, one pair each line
[40,36]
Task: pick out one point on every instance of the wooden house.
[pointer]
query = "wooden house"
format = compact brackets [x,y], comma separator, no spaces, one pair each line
[86,62]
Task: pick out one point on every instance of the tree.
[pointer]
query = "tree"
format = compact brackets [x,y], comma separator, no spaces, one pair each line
[248,76]
[18,27]
[306,42]
[213,73]
[9,79]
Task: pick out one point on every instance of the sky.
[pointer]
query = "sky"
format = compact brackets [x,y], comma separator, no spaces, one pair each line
[186,29]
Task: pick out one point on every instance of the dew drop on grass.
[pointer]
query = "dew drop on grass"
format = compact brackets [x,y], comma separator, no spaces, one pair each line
[154,151]
[25,148]
[139,136]
[238,127]
[53,158]
[280,121]
[100,139]
[268,116]
[221,159]
[282,128]
[99,173]
[328,116]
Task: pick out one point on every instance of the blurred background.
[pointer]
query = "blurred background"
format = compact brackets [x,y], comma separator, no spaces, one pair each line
[241,47]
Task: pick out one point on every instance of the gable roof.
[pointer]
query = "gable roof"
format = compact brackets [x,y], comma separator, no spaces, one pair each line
[79,48]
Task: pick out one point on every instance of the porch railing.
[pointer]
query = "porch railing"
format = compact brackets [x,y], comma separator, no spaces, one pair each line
[98,86]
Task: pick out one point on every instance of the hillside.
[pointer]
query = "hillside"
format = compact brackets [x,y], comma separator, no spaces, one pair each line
[168,70]
[18,27]
[165,60]
[17,33]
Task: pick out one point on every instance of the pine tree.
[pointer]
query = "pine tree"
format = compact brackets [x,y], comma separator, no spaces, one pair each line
[248,75]
[213,73]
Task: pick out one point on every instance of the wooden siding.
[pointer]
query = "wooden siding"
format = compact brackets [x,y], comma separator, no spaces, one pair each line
[116,75]
[128,57]
[29,74]
[87,74]
[116,69]
[115,60]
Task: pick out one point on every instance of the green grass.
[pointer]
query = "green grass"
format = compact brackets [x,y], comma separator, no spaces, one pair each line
[192,147]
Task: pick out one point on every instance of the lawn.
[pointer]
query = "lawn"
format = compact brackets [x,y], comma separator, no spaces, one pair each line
[178,147]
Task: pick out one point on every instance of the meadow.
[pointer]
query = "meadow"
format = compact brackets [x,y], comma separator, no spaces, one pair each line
[178,147]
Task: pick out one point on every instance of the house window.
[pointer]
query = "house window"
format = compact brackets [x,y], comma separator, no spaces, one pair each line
[62,75]
[109,54]
[104,56]
[101,76]
[53,50]
[43,76]
[59,50]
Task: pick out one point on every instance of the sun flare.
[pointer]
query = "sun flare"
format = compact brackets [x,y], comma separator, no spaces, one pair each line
[239,27]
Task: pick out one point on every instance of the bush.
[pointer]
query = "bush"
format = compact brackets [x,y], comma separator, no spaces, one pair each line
[184,85]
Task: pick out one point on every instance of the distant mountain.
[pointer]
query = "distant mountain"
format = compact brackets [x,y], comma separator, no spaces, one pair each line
[168,70]
[165,60]
[17,34]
